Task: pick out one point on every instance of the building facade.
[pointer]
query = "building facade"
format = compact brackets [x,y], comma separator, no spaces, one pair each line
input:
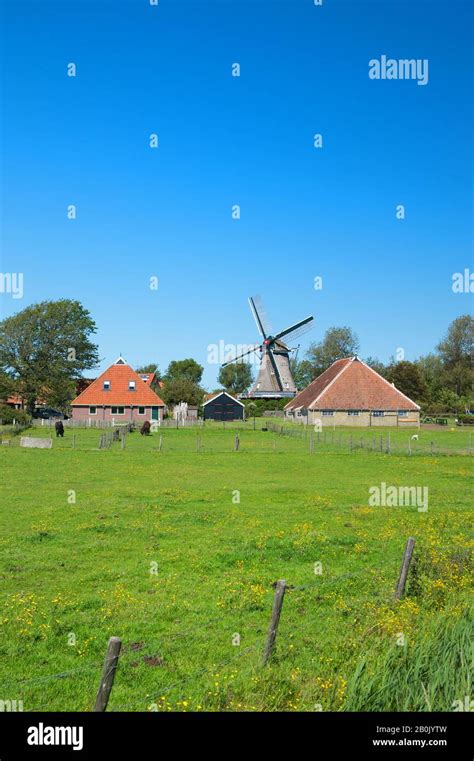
[350,393]
[223,406]
[118,396]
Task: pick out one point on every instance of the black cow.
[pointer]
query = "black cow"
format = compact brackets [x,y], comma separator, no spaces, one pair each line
[59,428]
[145,429]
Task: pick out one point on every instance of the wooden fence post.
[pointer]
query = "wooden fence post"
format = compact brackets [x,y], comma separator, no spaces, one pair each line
[237,442]
[160,445]
[402,579]
[280,589]
[73,440]
[108,673]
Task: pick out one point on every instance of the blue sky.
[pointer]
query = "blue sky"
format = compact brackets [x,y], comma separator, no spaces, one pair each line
[247,140]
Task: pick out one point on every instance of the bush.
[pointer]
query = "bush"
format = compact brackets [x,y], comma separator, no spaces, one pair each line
[9,414]
[465,419]
[256,407]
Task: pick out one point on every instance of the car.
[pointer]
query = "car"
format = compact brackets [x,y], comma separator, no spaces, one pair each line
[47,413]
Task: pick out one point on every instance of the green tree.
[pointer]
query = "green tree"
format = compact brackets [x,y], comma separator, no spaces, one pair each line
[150,368]
[45,347]
[236,377]
[377,365]
[336,344]
[456,351]
[184,369]
[181,390]
[302,373]
[408,379]
[7,386]
[432,371]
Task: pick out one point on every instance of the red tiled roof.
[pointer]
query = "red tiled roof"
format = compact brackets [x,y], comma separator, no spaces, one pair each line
[350,384]
[119,376]
[14,399]
[147,377]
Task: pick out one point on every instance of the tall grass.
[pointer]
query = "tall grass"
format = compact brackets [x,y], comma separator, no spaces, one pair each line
[428,674]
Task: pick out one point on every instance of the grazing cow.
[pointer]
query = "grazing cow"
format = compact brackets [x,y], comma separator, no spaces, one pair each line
[59,428]
[145,429]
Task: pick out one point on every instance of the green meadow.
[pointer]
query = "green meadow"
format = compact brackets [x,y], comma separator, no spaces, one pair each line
[175,550]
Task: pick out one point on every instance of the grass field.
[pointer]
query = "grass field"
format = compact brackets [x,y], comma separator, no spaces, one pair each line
[175,551]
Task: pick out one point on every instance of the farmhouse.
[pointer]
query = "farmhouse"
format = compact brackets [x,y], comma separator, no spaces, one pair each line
[119,395]
[352,393]
[223,406]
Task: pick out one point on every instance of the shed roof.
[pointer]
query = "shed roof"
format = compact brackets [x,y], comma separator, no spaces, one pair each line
[217,394]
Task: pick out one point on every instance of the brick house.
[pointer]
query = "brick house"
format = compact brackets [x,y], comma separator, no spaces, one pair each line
[353,394]
[119,395]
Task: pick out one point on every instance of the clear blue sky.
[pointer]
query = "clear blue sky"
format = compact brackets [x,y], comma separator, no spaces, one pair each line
[223,140]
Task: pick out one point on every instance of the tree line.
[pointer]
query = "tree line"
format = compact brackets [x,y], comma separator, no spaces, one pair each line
[441,381]
[46,349]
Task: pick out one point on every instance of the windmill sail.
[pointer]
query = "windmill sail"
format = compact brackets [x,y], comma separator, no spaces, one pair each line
[274,379]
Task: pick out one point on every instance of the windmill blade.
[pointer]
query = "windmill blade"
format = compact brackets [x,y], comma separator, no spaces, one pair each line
[275,369]
[259,315]
[250,351]
[296,330]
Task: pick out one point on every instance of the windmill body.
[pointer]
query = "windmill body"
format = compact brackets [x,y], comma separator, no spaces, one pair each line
[274,379]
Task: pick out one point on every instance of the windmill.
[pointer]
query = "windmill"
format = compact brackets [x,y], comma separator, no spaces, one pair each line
[274,379]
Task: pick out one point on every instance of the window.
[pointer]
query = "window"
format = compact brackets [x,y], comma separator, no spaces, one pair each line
[92,410]
[328,413]
[144,377]
[378,413]
[106,385]
[131,385]
[402,413]
[117,410]
[141,410]
[353,413]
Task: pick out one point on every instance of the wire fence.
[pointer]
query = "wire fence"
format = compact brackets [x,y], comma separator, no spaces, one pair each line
[387,442]
[268,437]
[297,628]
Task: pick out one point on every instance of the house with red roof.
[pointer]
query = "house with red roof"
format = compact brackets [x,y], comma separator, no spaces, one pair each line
[119,395]
[353,394]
